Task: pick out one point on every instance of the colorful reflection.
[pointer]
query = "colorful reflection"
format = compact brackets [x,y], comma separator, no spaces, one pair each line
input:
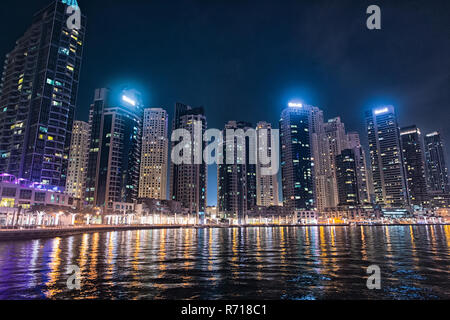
[253,263]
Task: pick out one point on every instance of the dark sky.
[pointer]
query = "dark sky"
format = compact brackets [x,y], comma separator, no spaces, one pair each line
[245,60]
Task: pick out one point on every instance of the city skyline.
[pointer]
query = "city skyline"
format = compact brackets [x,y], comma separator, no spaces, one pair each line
[418,159]
[330,134]
[413,87]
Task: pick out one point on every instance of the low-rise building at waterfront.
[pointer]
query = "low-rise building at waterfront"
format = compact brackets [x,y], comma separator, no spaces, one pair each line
[122,208]
[23,203]
[356,213]
[19,193]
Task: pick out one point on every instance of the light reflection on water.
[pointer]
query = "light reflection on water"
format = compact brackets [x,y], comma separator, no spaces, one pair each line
[252,263]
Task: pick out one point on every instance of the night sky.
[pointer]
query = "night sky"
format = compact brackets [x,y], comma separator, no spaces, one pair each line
[244,60]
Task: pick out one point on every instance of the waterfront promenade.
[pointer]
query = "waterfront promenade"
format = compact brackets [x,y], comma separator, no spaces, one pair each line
[51,232]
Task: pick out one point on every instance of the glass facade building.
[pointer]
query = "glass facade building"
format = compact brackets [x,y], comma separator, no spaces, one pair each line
[346,176]
[386,157]
[297,124]
[38,98]
[413,161]
[437,170]
[115,149]
[236,182]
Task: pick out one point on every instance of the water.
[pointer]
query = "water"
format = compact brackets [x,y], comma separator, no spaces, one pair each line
[253,263]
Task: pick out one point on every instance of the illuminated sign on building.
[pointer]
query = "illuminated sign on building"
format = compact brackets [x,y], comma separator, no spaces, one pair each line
[410,132]
[295,105]
[381,111]
[129,100]
[432,134]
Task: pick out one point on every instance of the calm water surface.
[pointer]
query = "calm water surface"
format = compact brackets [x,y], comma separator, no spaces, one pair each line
[253,263]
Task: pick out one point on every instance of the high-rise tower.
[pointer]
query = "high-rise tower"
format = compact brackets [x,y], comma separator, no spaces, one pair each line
[266,185]
[154,154]
[413,160]
[188,182]
[386,157]
[297,124]
[437,170]
[346,176]
[38,97]
[334,131]
[362,174]
[236,182]
[78,159]
[114,153]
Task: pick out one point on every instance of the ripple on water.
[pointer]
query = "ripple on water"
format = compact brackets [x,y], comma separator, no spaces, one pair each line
[256,263]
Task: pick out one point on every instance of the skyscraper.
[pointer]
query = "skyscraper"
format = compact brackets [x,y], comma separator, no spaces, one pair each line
[362,173]
[101,97]
[114,153]
[38,98]
[154,154]
[188,182]
[334,131]
[413,161]
[346,176]
[297,124]
[78,160]
[328,140]
[236,187]
[386,157]
[266,185]
[324,193]
[437,170]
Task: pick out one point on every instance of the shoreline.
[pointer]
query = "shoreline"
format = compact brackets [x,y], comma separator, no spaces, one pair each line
[46,233]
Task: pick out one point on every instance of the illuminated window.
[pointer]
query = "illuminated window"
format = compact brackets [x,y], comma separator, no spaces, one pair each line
[7,203]
[64,51]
